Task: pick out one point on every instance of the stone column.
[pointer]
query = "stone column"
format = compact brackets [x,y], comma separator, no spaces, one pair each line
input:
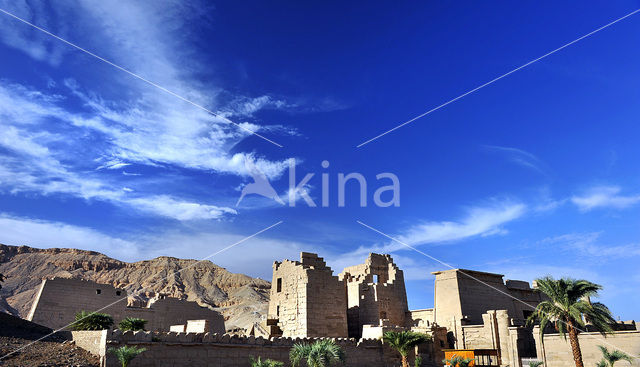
[540,352]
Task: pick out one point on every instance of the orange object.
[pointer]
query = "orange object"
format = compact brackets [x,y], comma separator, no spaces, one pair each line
[464,353]
[481,357]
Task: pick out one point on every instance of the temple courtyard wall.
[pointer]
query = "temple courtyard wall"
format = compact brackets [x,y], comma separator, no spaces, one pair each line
[221,350]
[555,351]
[59,299]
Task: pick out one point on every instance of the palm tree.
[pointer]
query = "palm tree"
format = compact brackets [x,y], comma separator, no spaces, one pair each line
[92,321]
[458,361]
[266,363]
[610,358]
[126,354]
[132,323]
[404,341]
[569,307]
[321,353]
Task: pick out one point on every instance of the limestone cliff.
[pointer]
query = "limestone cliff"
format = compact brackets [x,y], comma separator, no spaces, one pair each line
[241,299]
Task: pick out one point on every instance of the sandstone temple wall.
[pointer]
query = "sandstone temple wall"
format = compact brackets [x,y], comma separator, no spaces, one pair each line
[375,292]
[59,299]
[306,299]
[556,351]
[225,350]
[462,300]
[515,343]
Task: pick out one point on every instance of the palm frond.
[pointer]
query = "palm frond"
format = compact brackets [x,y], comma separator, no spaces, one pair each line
[568,304]
[611,357]
[126,354]
[404,341]
[321,353]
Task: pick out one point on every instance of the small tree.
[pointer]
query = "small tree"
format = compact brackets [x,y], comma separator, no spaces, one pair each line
[404,341]
[458,361]
[257,362]
[92,321]
[610,358]
[126,354]
[321,353]
[568,307]
[417,362]
[132,323]
[535,363]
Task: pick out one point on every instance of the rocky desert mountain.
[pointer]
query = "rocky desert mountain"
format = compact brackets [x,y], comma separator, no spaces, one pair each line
[242,300]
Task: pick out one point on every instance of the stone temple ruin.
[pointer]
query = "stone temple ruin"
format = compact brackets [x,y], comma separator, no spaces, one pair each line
[473,310]
[58,300]
[307,300]
[375,294]
[475,313]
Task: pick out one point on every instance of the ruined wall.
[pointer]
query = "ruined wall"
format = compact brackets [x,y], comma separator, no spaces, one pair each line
[92,341]
[460,299]
[420,318]
[59,299]
[307,300]
[224,350]
[375,292]
[556,351]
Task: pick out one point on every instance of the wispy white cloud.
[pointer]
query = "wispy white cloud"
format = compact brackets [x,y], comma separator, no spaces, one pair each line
[245,106]
[30,166]
[519,157]
[112,125]
[112,164]
[589,244]
[479,221]
[604,197]
[487,220]
[150,133]
[181,210]
[26,39]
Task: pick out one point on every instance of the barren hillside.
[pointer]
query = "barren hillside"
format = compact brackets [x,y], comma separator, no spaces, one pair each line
[240,298]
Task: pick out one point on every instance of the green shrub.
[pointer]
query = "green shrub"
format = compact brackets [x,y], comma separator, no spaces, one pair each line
[257,362]
[404,342]
[609,358]
[132,323]
[418,361]
[322,353]
[126,354]
[92,321]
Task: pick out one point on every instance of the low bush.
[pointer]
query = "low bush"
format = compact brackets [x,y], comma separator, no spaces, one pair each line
[92,321]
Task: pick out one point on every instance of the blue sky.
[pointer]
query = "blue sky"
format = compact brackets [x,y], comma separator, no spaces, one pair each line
[535,174]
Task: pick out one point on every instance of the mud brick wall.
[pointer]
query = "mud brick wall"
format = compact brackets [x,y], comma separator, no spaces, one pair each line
[92,341]
[59,299]
[225,350]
